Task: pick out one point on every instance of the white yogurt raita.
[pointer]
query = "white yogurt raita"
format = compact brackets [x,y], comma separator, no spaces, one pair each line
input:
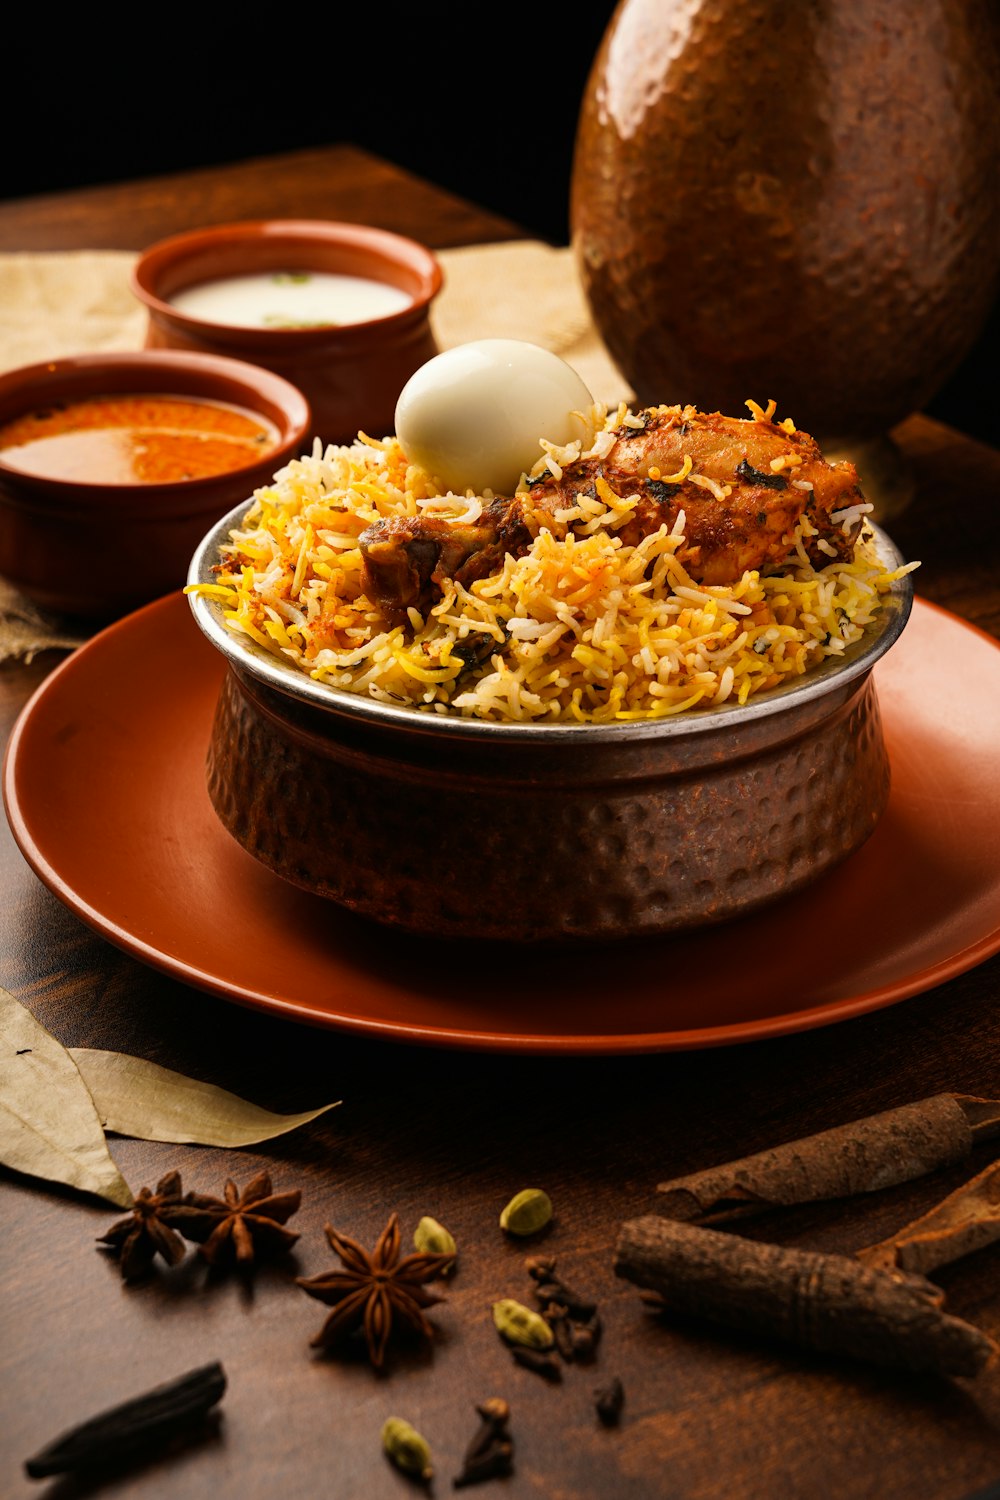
[289,299]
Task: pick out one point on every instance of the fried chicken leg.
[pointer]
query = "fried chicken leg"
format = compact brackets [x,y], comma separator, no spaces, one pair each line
[743,487]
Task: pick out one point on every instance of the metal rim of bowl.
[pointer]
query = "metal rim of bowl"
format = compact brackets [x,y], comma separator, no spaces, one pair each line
[245,655]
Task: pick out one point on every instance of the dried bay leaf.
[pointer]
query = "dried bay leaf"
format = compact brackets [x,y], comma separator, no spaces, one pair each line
[49,1127]
[141,1099]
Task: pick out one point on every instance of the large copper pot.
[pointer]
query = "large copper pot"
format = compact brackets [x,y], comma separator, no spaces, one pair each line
[545,832]
[798,201]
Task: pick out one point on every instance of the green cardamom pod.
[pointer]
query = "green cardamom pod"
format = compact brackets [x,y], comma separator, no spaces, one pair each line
[406,1448]
[522,1325]
[527,1212]
[431,1238]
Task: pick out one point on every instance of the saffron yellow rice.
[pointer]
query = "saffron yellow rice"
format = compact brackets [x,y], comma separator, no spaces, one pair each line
[580,628]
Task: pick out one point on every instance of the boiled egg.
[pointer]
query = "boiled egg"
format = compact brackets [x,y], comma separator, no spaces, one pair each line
[473,415]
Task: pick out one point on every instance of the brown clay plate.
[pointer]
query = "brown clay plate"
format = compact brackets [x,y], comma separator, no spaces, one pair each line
[105,793]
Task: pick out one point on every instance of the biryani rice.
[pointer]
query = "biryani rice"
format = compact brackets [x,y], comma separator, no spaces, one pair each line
[580,628]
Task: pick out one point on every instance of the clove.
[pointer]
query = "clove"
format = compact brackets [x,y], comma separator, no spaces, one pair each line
[573,1317]
[562,1330]
[585,1337]
[551,1288]
[490,1454]
[608,1401]
[538,1360]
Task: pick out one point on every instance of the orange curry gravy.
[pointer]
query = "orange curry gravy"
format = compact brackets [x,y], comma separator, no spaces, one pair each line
[136,439]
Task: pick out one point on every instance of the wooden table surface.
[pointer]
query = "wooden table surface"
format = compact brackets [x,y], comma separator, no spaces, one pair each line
[454,1133]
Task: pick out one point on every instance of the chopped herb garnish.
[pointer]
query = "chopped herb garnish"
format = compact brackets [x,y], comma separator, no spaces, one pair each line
[750,475]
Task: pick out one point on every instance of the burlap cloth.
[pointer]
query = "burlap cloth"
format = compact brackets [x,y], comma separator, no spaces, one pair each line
[77,302]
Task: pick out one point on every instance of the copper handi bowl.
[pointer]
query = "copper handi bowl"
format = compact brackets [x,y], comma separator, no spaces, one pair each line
[530,833]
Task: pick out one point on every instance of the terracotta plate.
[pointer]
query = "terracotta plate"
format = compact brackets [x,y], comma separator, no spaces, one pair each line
[104,789]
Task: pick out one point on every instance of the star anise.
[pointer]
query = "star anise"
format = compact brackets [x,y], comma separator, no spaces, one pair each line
[239,1226]
[374,1290]
[146,1231]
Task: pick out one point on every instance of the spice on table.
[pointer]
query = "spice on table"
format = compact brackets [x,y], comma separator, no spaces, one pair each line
[147,1230]
[550,1288]
[431,1238]
[375,1291]
[967,1220]
[406,1448]
[863,1156]
[575,1321]
[490,1454]
[562,1330]
[830,1303]
[239,1226]
[134,1427]
[575,1339]
[609,1400]
[527,1213]
[521,1325]
[538,1360]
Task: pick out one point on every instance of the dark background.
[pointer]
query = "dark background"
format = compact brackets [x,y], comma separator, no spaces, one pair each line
[487,109]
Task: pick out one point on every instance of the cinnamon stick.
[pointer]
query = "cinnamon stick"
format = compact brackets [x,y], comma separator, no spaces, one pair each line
[864,1156]
[967,1220]
[829,1303]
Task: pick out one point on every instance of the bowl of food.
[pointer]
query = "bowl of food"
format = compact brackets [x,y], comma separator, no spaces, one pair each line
[340,310]
[633,694]
[113,465]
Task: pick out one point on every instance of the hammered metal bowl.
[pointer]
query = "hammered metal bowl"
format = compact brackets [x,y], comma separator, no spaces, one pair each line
[721,258]
[534,833]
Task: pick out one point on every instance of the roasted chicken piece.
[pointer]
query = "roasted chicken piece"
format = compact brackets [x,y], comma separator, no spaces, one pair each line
[743,486]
